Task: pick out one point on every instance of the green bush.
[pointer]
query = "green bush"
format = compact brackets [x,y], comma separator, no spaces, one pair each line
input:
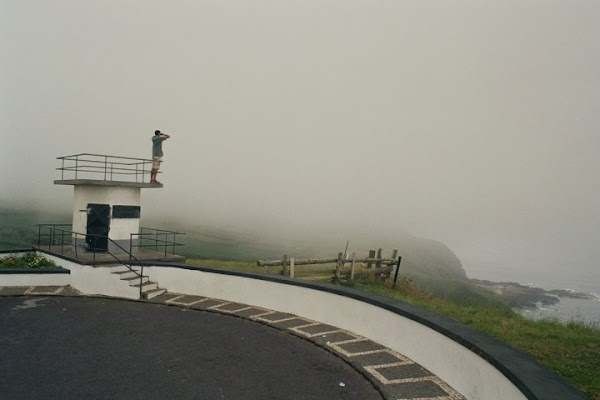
[29,260]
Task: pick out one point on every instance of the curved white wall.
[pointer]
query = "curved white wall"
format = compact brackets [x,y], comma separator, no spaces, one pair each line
[468,373]
[40,279]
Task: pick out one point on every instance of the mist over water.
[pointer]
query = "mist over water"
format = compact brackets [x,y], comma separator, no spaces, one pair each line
[471,123]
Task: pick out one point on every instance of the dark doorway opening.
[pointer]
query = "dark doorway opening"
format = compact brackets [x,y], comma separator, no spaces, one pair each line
[98,220]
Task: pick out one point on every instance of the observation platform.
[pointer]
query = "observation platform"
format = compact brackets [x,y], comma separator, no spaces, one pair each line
[73,182]
[143,246]
[105,170]
[99,258]
[108,183]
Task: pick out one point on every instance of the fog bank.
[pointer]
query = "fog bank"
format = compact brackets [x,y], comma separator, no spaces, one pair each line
[471,123]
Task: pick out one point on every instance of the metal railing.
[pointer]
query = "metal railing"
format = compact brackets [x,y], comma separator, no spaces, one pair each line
[104,167]
[71,240]
[155,239]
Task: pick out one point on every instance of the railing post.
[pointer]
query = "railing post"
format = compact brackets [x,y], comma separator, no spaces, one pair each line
[62,170]
[378,263]
[105,166]
[76,165]
[292,267]
[166,243]
[141,277]
[130,245]
[39,235]
[353,265]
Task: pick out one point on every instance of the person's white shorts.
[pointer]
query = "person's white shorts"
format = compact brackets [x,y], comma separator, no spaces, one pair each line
[156,162]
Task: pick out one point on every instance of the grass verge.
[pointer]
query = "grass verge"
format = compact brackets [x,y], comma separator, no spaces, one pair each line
[571,350]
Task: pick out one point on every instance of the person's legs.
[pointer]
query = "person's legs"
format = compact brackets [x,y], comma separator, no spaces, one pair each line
[154,172]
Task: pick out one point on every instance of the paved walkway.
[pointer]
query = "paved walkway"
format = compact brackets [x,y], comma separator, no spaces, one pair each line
[393,375]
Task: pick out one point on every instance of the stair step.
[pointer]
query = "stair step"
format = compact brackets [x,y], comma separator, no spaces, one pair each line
[131,275]
[128,275]
[121,269]
[153,293]
[135,279]
[146,286]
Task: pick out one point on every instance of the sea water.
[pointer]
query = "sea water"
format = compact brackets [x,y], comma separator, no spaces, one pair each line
[568,309]
[587,311]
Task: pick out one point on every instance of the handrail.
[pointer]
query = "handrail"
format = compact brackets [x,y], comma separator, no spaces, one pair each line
[103,166]
[70,233]
[102,155]
[161,230]
[128,266]
[155,240]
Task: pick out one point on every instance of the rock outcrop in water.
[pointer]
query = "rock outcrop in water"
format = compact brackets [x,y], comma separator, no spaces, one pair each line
[521,296]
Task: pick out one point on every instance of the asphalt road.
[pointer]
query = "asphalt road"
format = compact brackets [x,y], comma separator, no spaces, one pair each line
[74,348]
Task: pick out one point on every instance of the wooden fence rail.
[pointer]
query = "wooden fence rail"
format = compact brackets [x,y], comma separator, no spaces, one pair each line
[309,261]
[372,261]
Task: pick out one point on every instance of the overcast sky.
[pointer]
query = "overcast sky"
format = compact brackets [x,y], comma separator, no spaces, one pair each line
[471,122]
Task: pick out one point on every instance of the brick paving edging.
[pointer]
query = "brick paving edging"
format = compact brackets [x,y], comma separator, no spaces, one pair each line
[394,375]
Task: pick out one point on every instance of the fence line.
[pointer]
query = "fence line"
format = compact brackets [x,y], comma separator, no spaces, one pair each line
[373,261]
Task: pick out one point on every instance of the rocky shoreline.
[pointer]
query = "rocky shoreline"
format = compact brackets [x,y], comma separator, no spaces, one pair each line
[521,296]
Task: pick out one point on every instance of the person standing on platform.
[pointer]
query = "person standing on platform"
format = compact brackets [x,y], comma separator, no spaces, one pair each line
[157,153]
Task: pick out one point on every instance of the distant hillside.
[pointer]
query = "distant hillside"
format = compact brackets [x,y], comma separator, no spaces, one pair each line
[17,226]
[428,262]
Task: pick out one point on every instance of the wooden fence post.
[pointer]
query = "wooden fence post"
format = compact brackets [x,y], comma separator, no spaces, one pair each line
[353,264]
[397,270]
[390,266]
[338,267]
[285,257]
[378,264]
[371,255]
[292,267]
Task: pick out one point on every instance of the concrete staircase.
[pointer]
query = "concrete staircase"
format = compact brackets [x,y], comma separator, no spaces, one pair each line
[131,277]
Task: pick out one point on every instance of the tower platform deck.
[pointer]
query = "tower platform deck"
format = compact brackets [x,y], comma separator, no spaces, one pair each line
[100,182]
[144,255]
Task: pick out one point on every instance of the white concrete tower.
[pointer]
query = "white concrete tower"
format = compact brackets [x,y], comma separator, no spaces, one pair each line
[106,202]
